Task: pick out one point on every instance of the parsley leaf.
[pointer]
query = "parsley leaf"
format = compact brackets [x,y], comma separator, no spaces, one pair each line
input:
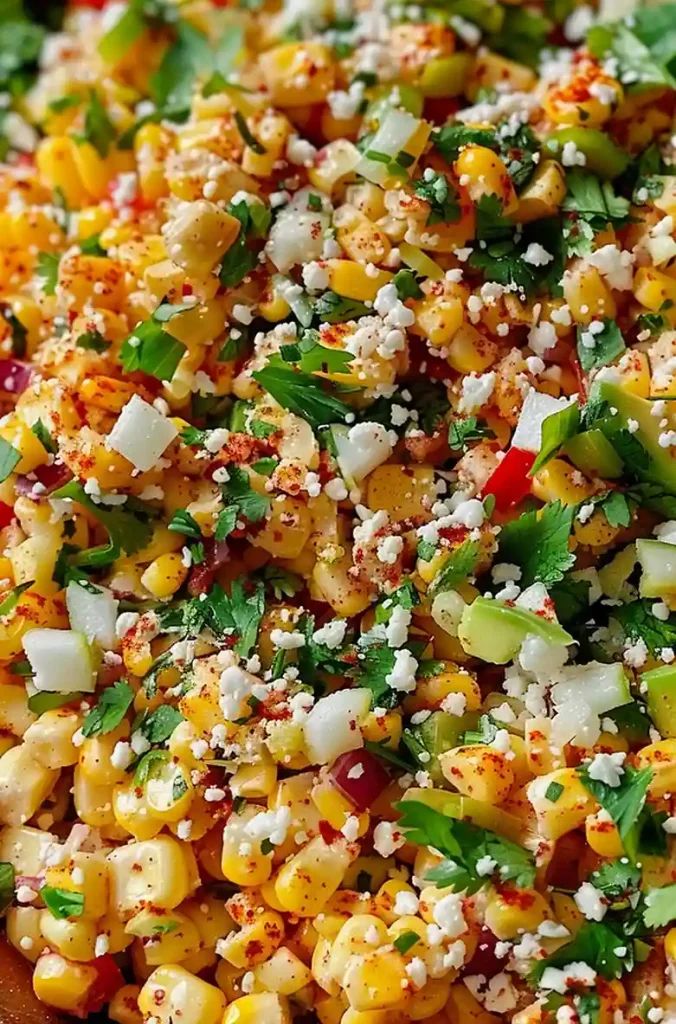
[437,191]
[407,285]
[7,876]
[111,708]
[623,803]
[331,308]
[9,459]
[462,432]
[599,349]
[282,582]
[48,270]
[127,526]
[241,258]
[639,623]
[538,543]
[237,491]
[311,357]
[93,341]
[556,430]
[616,508]
[376,661]
[150,349]
[309,397]
[596,944]
[616,879]
[591,204]
[660,906]
[226,522]
[159,724]
[98,129]
[645,52]
[451,138]
[183,522]
[460,564]
[463,845]
[62,903]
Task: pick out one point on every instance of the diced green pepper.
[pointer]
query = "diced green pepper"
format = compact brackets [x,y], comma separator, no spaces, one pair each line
[603,156]
[660,686]
[445,76]
[593,454]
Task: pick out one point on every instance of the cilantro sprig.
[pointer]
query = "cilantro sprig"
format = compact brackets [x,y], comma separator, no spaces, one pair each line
[463,845]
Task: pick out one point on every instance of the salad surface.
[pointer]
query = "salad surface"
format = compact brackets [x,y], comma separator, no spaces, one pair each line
[338,510]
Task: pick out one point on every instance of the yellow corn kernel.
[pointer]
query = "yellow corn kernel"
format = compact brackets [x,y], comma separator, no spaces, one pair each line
[652,288]
[670,944]
[335,807]
[352,940]
[384,728]
[24,784]
[634,371]
[569,811]
[159,872]
[470,351]
[271,130]
[661,758]
[85,873]
[351,279]
[172,993]
[596,532]
[487,176]
[511,911]
[62,983]
[339,588]
[251,868]
[307,881]
[165,937]
[132,813]
[431,690]
[401,491]
[254,1009]
[559,481]
[375,980]
[254,943]
[95,757]
[94,171]
[123,1007]
[602,836]
[544,193]
[273,306]
[437,318]
[362,240]
[165,575]
[297,74]
[17,433]
[255,780]
[15,715]
[539,754]
[72,939]
[587,294]
[198,236]
[22,925]
[169,791]
[93,803]
[575,104]
[286,531]
[479,772]
[283,973]
[55,160]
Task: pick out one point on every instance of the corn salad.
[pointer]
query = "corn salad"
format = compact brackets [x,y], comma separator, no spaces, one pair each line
[338,510]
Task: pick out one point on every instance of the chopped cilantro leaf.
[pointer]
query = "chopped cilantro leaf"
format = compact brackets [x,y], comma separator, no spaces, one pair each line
[596,944]
[623,803]
[437,191]
[462,432]
[460,564]
[62,903]
[111,708]
[48,270]
[595,349]
[334,309]
[538,543]
[556,430]
[307,396]
[464,845]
